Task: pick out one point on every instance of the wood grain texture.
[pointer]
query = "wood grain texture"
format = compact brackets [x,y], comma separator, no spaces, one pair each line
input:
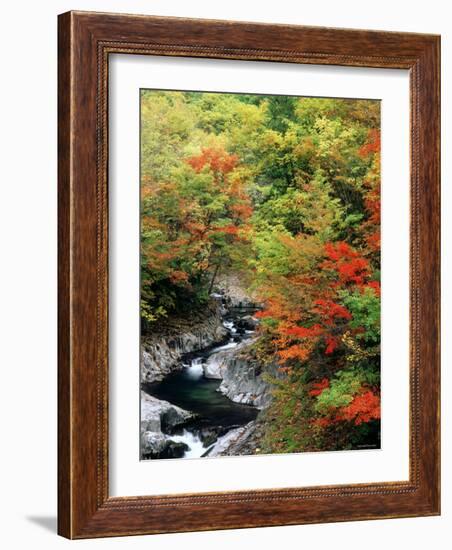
[64,295]
[85,42]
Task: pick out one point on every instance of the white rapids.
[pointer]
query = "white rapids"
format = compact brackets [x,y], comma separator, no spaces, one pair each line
[196,447]
[230,345]
[230,326]
[195,370]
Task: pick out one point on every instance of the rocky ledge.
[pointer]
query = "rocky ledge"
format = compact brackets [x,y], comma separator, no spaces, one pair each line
[241,374]
[158,419]
[239,441]
[162,350]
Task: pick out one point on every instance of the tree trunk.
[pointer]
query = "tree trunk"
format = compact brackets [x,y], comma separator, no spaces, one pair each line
[217,267]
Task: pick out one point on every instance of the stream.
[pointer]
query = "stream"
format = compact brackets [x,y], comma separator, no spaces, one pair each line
[189,389]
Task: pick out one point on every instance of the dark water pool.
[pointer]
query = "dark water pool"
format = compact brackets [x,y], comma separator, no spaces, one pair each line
[198,394]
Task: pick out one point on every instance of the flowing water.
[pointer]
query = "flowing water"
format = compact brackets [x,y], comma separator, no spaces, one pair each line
[189,389]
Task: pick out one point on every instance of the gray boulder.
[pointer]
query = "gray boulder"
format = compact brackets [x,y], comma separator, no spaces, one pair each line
[161,416]
[157,445]
[235,442]
[158,418]
[247,322]
[242,377]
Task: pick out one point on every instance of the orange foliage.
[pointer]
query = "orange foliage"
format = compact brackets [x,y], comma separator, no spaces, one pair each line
[375,285]
[228,229]
[303,332]
[373,241]
[217,160]
[373,144]
[322,422]
[242,211]
[178,276]
[364,408]
[294,352]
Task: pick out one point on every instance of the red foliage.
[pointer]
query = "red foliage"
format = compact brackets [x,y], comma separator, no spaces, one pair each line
[339,250]
[318,387]
[354,271]
[263,314]
[373,241]
[364,408]
[350,267]
[228,229]
[331,344]
[373,144]
[330,311]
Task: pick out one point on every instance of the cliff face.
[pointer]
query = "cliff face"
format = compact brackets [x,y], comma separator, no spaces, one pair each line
[243,383]
[161,351]
[241,375]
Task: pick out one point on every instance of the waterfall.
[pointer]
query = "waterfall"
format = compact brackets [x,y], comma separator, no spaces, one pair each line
[195,370]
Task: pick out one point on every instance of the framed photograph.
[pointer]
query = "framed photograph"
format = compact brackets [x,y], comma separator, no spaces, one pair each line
[248,275]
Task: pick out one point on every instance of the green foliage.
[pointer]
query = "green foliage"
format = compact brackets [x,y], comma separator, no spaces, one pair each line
[343,386]
[307,209]
[365,308]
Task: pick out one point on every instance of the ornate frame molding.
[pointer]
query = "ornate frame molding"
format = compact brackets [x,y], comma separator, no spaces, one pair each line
[85,42]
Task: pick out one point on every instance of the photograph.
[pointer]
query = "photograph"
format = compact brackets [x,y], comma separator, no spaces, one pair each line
[259,274]
[225,234]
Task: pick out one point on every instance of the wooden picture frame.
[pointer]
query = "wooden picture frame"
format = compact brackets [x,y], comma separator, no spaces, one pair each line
[85,42]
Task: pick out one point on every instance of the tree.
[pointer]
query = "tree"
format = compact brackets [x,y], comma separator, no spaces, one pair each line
[285,191]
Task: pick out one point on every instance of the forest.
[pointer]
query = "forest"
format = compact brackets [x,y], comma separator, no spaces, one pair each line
[284,193]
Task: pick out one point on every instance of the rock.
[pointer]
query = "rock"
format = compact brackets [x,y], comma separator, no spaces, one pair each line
[152,444]
[215,365]
[242,377]
[209,435]
[158,419]
[161,352]
[174,449]
[232,442]
[157,361]
[247,322]
[160,416]
[174,416]
[234,292]
[157,445]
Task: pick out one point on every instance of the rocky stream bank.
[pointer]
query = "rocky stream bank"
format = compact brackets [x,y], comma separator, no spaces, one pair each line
[202,388]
